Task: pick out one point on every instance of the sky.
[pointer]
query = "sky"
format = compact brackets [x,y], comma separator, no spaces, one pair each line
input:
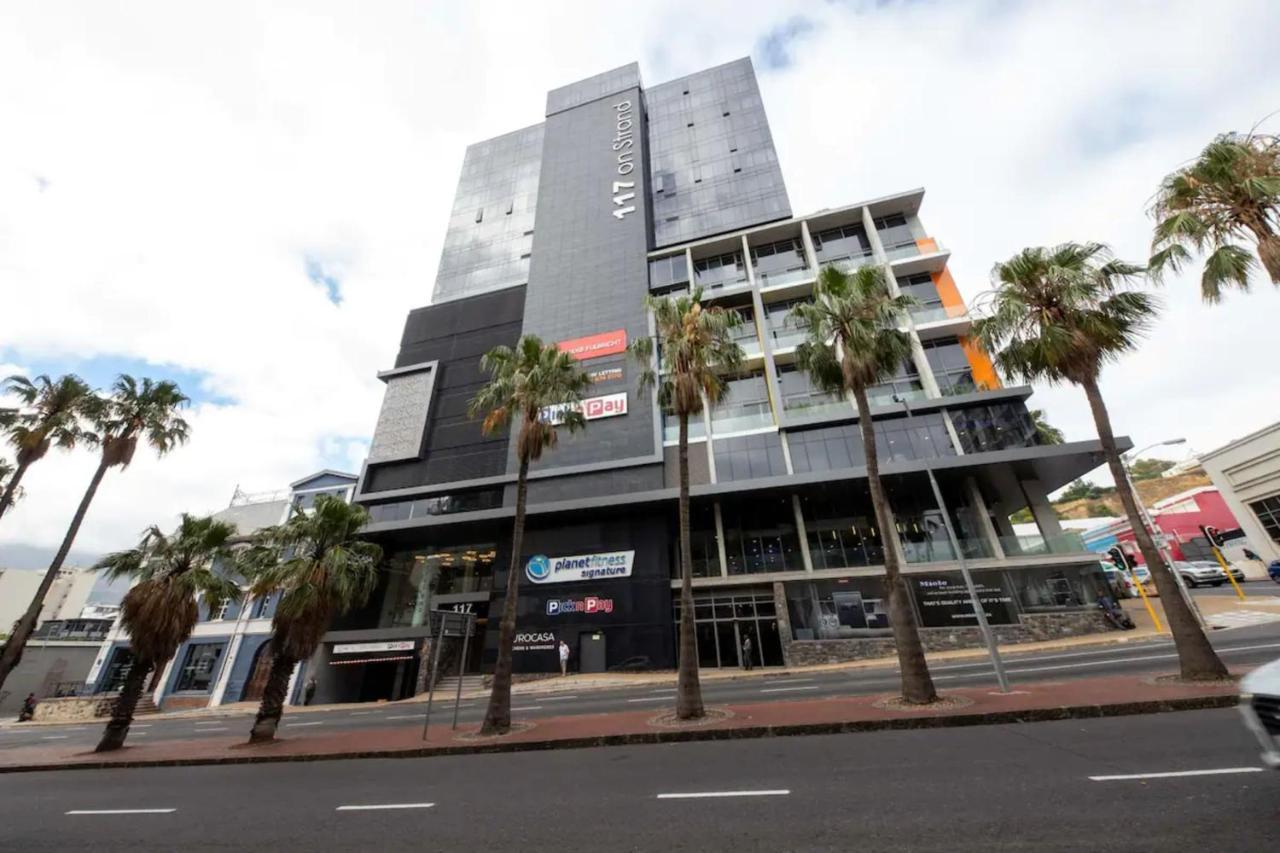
[248,197]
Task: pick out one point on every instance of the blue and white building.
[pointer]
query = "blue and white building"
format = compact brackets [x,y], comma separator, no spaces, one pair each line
[226,659]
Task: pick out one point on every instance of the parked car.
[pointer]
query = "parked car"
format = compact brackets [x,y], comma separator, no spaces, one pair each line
[1260,705]
[1196,573]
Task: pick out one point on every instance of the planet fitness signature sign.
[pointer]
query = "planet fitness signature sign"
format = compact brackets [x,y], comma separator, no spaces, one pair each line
[581,567]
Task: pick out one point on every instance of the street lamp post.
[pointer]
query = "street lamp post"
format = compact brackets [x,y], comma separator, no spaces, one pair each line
[979,612]
[1156,535]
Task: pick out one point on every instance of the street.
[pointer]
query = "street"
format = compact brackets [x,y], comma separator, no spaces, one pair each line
[1042,786]
[1250,645]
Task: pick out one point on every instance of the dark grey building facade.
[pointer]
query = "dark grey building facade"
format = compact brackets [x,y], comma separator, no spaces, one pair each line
[561,230]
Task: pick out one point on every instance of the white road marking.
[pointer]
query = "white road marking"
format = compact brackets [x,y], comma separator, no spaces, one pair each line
[698,795]
[1177,774]
[527,708]
[790,681]
[651,699]
[1132,659]
[133,726]
[370,808]
[316,723]
[212,729]
[790,689]
[664,690]
[121,811]
[404,717]
[55,737]
[362,713]
[559,698]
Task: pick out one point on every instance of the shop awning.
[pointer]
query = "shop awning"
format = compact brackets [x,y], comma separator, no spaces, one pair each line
[341,662]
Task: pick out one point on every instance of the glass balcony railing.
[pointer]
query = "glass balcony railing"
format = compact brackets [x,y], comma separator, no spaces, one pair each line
[934,314]
[722,284]
[901,250]
[885,396]
[671,428]
[848,263]
[940,550]
[744,417]
[780,279]
[815,405]
[787,337]
[1039,545]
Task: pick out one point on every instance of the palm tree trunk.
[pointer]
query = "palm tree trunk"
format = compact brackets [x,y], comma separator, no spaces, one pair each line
[497,718]
[122,715]
[1268,247]
[273,695]
[917,684]
[688,688]
[26,626]
[11,488]
[1196,657]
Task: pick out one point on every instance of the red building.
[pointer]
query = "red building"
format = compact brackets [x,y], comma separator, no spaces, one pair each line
[1179,517]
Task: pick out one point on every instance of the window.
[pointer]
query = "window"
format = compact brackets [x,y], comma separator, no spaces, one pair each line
[828,449]
[904,384]
[1268,512]
[721,271]
[847,241]
[218,610]
[702,541]
[199,668]
[841,527]
[994,427]
[894,232]
[745,405]
[917,437]
[800,394]
[760,536]
[921,287]
[747,457]
[951,367]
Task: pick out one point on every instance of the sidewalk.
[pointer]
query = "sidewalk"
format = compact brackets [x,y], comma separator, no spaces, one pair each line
[1082,698]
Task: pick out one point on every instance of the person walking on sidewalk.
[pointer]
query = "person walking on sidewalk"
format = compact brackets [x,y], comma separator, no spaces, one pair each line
[309,692]
[564,658]
[747,662]
[28,711]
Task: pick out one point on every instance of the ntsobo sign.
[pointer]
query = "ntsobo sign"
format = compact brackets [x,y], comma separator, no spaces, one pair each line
[582,567]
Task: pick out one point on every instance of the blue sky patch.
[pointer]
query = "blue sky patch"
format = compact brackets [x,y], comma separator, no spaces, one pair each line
[101,371]
[325,278]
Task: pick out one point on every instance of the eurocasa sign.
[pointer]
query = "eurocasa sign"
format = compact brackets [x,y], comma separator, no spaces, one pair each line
[595,346]
[592,408]
[580,567]
[590,604]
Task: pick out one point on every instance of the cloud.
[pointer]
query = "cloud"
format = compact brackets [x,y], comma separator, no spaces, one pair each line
[252,197]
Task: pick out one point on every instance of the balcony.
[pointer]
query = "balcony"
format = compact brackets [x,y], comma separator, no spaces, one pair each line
[1039,545]
[671,428]
[813,406]
[902,250]
[849,263]
[784,278]
[940,550]
[739,418]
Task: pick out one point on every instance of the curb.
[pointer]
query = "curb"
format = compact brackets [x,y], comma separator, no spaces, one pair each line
[1033,715]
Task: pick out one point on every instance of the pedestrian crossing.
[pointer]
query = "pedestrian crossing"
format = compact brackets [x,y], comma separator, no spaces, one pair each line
[1243,618]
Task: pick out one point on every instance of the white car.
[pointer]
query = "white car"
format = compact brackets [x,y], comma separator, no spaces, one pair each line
[1260,705]
[1197,573]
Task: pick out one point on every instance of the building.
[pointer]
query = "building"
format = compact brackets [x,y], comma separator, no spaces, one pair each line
[55,660]
[225,660]
[561,229]
[1247,472]
[66,597]
[1179,518]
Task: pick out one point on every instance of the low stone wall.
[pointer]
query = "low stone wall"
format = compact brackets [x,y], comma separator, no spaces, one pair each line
[1034,627]
[184,703]
[70,708]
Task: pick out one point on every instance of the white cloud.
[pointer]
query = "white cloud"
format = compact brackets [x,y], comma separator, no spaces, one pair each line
[164,175]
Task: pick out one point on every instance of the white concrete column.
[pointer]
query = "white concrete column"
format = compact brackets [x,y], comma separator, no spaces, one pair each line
[720,549]
[810,254]
[293,680]
[228,663]
[984,517]
[1041,510]
[803,533]
[158,695]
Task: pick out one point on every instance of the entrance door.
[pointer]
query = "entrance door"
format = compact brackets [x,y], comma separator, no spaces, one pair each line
[591,652]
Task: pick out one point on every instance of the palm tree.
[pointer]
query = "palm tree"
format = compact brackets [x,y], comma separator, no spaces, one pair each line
[540,387]
[54,410]
[696,351]
[6,471]
[855,342]
[1059,314]
[1045,431]
[320,568]
[135,411]
[1229,193]
[160,611]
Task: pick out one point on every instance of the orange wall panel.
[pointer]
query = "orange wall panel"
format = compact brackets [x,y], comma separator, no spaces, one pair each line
[984,372]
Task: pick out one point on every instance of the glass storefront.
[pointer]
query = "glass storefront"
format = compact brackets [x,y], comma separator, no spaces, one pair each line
[416,578]
[724,620]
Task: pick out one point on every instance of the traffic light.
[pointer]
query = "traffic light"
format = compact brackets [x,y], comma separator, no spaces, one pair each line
[1213,534]
[1120,559]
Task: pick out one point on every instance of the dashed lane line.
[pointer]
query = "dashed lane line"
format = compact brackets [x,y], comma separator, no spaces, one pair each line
[700,795]
[1177,774]
[119,811]
[382,806]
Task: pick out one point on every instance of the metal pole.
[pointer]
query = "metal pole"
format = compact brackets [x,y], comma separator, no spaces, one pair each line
[462,659]
[431,678]
[980,612]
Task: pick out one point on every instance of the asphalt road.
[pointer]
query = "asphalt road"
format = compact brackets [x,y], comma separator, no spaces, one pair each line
[1239,646]
[989,788]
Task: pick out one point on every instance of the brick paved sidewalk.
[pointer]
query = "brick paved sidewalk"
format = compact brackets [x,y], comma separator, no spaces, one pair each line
[1113,695]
